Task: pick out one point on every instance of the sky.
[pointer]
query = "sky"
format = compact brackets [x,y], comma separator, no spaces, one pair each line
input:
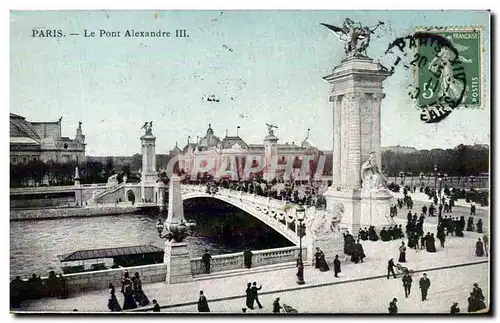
[262,66]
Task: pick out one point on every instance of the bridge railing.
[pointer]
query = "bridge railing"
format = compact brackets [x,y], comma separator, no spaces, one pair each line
[233,261]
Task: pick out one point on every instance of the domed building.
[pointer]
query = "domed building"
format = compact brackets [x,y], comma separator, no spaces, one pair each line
[31,141]
[211,147]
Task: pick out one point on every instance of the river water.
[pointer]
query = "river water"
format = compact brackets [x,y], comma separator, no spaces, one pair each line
[34,244]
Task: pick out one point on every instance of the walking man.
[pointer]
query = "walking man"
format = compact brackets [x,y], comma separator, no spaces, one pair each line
[276,305]
[454,309]
[390,268]
[424,283]
[485,240]
[336,265]
[205,259]
[256,294]
[407,280]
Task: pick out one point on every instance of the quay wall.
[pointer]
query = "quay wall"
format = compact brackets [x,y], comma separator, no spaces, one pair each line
[95,280]
[69,212]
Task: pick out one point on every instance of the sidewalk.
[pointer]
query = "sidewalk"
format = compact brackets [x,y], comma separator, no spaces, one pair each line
[458,251]
[422,197]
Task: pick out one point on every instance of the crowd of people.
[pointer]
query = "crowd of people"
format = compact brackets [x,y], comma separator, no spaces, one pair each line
[307,193]
[133,295]
[36,288]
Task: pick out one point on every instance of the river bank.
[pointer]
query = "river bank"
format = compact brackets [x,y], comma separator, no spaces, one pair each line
[70,212]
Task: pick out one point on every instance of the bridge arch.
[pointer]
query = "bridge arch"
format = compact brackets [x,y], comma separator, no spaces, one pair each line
[257,211]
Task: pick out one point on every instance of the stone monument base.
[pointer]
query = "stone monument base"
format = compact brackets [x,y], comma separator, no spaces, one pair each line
[331,246]
[375,209]
[351,204]
[361,209]
[178,262]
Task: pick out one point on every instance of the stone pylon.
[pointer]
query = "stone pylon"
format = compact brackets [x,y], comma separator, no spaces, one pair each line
[270,156]
[176,256]
[148,172]
[356,97]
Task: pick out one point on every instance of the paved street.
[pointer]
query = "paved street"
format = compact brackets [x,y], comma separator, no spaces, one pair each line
[370,296]
[457,251]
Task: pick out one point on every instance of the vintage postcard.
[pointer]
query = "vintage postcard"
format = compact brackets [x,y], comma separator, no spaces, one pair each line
[250,162]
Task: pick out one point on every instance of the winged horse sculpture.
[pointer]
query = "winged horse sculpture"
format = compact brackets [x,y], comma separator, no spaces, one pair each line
[355,36]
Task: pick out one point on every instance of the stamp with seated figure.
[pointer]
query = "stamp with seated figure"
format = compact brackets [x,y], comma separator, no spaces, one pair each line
[463,75]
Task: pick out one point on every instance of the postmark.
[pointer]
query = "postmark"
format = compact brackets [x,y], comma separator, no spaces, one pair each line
[442,78]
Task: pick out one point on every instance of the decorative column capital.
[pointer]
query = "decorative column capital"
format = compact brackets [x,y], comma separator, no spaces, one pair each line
[354,96]
[378,96]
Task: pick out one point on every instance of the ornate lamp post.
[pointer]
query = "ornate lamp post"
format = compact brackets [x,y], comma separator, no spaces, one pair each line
[435,177]
[175,231]
[471,179]
[421,179]
[440,191]
[301,228]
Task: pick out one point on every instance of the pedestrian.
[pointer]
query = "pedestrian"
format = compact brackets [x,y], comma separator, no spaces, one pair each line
[424,283]
[247,258]
[250,299]
[128,294]
[113,304]
[454,309]
[276,305]
[477,292]
[205,259]
[390,268]
[485,240]
[336,265]
[255,294]
[203,303]
[156,307]
[402,252]
[300,271]
[479,248]
[139,295]
[393,308]
[407,280]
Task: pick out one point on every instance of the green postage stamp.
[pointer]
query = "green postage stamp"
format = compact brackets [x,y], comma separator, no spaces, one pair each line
[468,42]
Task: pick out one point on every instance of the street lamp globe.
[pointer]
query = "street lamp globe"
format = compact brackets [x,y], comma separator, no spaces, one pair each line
[300,213]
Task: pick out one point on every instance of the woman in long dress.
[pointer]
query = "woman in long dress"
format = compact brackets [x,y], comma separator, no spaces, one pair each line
[113,304]
[139,295]
[402,253]
[479,248]
[128,294]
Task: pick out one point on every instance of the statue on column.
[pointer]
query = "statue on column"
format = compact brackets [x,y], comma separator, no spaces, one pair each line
[270,129]
[372,179]
[355,36]
[148,127]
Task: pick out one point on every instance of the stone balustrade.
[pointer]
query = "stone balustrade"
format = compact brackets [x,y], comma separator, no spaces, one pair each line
[260,258]
[95,280]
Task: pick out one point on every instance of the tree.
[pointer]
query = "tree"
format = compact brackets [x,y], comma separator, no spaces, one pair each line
[109,166]
[126,170]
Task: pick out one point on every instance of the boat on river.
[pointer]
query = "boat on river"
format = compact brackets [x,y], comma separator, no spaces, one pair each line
[105,258]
